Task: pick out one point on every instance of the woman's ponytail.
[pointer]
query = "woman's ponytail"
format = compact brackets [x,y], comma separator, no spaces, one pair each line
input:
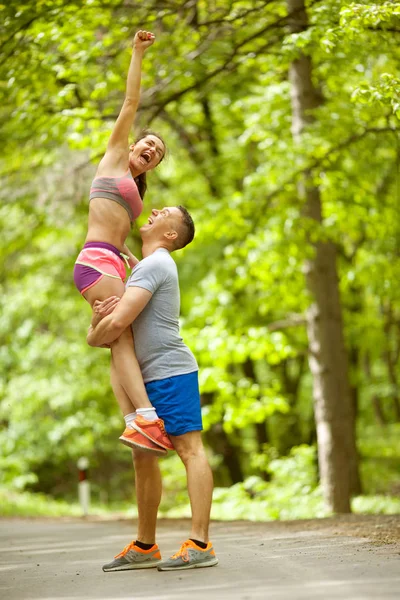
[141,183]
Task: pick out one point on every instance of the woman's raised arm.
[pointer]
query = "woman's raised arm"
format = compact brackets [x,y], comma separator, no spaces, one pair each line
[119,139]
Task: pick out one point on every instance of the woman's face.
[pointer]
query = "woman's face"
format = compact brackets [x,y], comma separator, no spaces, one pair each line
[145,154]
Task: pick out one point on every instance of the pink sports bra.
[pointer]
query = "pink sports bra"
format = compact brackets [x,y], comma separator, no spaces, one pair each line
[119,189]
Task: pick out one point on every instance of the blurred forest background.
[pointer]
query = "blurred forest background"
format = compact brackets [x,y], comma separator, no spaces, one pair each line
[282,124]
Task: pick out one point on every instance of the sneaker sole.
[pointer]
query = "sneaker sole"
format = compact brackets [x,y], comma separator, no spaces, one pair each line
[210,563]
[146,435]
[132,566]
[158,451]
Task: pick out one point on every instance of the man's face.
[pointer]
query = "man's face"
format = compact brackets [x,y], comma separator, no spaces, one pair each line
[161,222]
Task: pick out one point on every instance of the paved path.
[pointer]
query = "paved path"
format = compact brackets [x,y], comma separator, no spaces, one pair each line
[61,560]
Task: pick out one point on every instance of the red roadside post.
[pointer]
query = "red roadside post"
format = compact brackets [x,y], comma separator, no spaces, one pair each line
[83,485]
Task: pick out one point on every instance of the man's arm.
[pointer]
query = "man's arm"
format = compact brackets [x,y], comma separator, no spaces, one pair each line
[129,308]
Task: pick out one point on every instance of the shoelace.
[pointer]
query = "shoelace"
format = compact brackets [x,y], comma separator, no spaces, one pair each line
[183,552]
[160,423]
[162,426]
[125,550]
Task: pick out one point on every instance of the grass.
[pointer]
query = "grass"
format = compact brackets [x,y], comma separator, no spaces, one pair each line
[230,504]
[291,494]
[27,504]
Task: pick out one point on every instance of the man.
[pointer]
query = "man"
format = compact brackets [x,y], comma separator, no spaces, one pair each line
[151,304]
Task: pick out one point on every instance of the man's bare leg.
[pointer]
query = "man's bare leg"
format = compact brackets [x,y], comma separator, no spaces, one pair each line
[148,494]
[199,481]
[142,553]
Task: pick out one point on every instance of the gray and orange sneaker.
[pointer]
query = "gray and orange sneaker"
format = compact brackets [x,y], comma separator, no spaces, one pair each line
[133,557]
[135,439]
[190,556]
[153,431]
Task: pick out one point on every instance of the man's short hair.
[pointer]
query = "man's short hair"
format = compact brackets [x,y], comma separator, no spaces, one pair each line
[185,230]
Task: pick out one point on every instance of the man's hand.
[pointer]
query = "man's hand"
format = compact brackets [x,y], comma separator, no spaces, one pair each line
[132,260]
[103,308]
[116,315]
[143,39]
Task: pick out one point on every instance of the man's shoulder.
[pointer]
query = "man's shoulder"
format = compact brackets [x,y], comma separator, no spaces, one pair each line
[158,267]
[160,258]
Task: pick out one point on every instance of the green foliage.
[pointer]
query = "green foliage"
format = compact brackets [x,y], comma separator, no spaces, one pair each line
[357,15]
[215,85]
[24,504]
[291,494]
[380,451]
[384,505]
[386,92]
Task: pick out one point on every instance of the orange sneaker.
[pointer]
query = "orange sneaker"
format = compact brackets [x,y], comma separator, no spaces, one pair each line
[153,431]
[135,439]
[190,556]
[133,557]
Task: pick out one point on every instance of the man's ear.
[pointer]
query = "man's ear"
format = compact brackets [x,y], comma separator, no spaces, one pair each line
[171,235]
[131,147]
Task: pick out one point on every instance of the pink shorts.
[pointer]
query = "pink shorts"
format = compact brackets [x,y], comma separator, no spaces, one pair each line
[94,262]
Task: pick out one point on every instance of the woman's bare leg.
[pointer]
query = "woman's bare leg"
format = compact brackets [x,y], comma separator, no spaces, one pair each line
[122,397]
[126,367]
[128,370]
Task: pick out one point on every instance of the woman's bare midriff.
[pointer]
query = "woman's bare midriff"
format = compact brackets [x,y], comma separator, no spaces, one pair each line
[108,222]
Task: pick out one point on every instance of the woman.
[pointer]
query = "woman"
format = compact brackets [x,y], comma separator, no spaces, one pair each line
[116,200]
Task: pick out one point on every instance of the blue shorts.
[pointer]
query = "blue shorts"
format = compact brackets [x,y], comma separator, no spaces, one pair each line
[177,401]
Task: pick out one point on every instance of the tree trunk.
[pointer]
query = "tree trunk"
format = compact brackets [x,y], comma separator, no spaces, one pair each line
[220,443]
[394,383]
[378,410]
[287,430]
[261,430]
[355,479]
[376,401]
[391,359]
[291,386]
[327,358]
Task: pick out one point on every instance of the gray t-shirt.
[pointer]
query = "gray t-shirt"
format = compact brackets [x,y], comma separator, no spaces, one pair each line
[159,347]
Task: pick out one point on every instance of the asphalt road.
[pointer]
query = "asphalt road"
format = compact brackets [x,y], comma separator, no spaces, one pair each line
[62,559]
